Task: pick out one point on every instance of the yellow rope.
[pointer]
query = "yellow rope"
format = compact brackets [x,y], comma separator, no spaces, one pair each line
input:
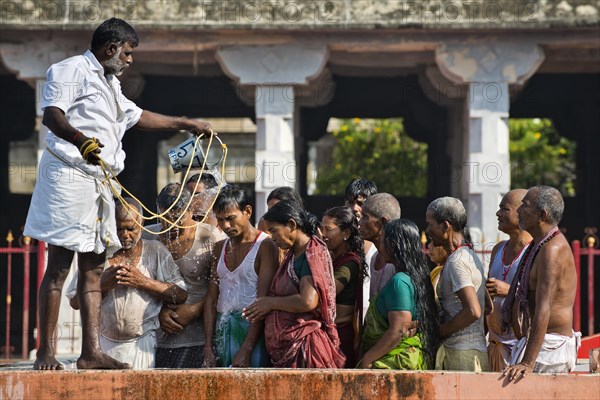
[88,147]
[109,174]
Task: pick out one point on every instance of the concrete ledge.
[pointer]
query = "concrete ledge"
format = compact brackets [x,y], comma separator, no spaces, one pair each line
[289,385]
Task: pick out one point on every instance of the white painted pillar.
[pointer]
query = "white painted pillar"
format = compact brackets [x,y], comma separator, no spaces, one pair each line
[483,73]
[486,167]
[275,72]
[275,155]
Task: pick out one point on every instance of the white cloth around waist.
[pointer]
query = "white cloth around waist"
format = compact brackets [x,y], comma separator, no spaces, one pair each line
[72,209]
[556,350]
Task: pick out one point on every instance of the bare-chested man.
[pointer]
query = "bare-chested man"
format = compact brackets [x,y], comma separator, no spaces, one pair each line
[243,270]
[543,292]
[505,259]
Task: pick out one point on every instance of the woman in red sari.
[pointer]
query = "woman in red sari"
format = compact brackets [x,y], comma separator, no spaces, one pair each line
[299,310]
[340,234]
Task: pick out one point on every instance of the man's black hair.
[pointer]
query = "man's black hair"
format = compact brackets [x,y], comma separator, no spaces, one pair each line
[360,187]
[231,196]
[115,31]
[208,180]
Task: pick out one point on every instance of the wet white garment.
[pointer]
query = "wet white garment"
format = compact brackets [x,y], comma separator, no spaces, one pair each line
[129,315]
[558,353]
[194,267]
[237,288]
[500,344]
[140,353]
[94,104]
[72,209]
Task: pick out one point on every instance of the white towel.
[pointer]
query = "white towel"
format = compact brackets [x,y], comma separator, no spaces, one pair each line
[557,354]
[139,353]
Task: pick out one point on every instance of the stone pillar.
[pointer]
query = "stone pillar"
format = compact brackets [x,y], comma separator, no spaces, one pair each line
[477,77]
[275,73]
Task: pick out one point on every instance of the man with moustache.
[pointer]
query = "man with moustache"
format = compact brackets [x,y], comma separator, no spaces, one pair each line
[540,302]
[505,259]
[72,207]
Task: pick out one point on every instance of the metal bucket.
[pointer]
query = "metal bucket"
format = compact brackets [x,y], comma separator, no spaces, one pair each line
[180,156]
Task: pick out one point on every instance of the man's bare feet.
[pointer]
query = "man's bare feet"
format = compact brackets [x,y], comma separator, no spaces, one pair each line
[44,363]
[100,361]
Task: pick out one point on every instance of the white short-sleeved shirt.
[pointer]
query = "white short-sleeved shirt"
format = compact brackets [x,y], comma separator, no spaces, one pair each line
[94,104]
[128,313]
[463,268]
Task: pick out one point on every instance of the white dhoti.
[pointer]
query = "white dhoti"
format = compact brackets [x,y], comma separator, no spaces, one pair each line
[558,353]
[72,209]
[139,352]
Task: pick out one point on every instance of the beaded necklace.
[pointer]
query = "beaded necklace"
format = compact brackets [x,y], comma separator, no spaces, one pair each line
[505,270]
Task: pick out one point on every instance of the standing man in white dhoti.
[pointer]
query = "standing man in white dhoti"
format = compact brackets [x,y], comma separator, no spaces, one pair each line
[72,208]
[540,302]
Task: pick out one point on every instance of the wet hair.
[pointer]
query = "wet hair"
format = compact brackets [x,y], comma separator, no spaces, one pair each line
[402,242]
[284,211]
[286,193]
[346,220]
[208,180]
[360,187]
[168,196]
[113,31]
[550,200]
[231,196]
[382,205]
[122,211]
[449,209]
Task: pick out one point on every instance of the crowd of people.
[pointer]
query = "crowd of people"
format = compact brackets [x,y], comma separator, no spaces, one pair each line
[303,292]
[204,287]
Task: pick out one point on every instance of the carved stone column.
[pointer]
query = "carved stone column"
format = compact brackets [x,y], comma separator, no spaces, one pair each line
[277,74]
[474,79]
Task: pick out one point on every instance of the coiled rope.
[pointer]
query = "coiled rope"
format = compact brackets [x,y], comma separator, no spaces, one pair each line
[91,145]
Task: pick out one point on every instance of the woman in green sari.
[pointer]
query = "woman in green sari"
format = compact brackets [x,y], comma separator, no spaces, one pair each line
[389,339]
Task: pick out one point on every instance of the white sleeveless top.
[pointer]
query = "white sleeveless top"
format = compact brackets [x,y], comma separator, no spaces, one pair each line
[499,270]
[237,288]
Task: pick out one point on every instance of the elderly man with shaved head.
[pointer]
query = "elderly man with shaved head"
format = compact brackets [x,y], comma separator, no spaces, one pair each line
[136,281]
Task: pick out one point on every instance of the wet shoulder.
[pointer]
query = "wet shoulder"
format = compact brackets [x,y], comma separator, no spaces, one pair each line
[155,228]
[155,247]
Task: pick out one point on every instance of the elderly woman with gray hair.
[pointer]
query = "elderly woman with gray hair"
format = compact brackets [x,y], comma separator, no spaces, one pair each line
[461,289]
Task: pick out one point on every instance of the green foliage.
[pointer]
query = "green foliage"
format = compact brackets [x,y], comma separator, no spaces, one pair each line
[378,150]
[539,155]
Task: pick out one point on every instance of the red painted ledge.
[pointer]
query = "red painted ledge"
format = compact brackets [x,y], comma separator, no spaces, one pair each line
[263,384]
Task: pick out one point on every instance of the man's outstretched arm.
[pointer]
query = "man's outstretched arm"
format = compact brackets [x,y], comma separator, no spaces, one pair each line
[151,121]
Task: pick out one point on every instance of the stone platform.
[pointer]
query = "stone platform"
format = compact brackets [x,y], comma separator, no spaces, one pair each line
[261,384]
